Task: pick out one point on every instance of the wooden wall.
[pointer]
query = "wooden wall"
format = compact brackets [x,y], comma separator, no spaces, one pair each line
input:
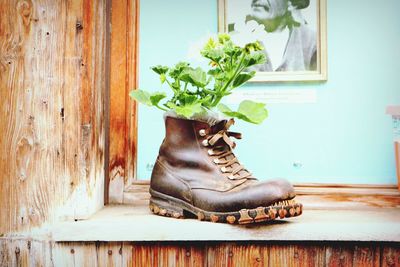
[52,91]
[43,253]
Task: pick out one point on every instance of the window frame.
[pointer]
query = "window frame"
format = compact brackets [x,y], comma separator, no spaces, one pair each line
[121,182]
[120,164]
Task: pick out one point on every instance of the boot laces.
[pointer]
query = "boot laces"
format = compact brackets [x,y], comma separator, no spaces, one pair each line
[223,155]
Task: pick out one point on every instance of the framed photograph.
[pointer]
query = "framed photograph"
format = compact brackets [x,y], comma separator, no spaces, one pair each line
[292,32]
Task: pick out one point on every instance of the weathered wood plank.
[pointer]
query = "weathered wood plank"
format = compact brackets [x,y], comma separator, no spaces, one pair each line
[127,254]
[366,255]
[109,254]
[118,75]
[24,252]
[390,255]
[248,255]
[40,253]
[52,78]
[4,254]
[340,255]
[196,256]
[167,254]
[123,78]
[281,255]
[236,254]
[218,254]
[321,196]
[309,255]
[74,254]
[145,254]
[180,254]
[137,223]
[132,83]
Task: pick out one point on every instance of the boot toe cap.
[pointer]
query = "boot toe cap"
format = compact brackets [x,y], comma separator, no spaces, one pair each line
[283,189]
[253,195]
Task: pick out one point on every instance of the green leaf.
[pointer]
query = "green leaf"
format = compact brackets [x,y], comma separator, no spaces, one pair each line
[187,111]
[141,96]
[156,97]
[223,38]
[251,47]
[255,58]
[197,77]
[147,98]
[169,104]
[249,111]
[177,70]
[210,44]
[159,69]
[215,53]
[242,78]
[214,72]
[162,78]
[186,99]
[230,49]
[206,101]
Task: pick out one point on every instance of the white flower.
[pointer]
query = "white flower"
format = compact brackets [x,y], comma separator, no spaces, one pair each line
[247,32]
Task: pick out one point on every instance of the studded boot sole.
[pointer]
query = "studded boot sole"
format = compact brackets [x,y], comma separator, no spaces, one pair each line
[164,205]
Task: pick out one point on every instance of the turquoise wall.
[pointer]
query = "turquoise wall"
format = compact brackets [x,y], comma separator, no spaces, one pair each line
[344,137]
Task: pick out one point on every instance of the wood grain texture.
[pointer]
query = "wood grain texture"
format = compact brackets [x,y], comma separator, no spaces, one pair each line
[123,78]
[52,114]
[109,254]
[248,255]
[19,252]
[138,223]
[390,255]
[312,196]
[297,255]
[339,255]
[168,254]
[118,127]
[366,255]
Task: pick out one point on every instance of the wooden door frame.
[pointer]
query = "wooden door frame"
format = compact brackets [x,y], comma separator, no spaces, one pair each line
[122,126]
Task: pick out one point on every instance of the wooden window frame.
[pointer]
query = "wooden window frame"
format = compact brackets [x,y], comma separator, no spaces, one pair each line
[122,139]
[122,184]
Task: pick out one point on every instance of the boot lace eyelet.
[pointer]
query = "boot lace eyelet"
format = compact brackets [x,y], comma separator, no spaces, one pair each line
[223,169]
[204,142]
[216,161]
[202,132]
[210,152]
[231,177]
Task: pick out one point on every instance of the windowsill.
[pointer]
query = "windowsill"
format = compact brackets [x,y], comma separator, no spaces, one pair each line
[369,218]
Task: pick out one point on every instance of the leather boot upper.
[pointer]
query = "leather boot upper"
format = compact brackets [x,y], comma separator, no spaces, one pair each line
[196,164]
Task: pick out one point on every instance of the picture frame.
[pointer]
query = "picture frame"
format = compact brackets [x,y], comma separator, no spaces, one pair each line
[298,49]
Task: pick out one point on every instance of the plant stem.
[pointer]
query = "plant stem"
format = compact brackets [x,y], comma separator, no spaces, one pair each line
[218,98]
[164,109]
[209,91]
[170,85]
[219,65]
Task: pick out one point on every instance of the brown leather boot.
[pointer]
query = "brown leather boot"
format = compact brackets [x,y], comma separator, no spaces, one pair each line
[196,173]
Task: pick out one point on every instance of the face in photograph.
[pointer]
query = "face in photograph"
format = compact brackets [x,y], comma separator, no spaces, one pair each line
[268,9]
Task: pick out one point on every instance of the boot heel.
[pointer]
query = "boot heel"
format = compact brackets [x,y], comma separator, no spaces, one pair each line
[165,208]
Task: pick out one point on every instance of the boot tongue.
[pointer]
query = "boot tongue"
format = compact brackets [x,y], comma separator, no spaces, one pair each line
[218,126]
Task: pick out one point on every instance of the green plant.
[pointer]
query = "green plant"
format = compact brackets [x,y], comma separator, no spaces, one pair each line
[197,91]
